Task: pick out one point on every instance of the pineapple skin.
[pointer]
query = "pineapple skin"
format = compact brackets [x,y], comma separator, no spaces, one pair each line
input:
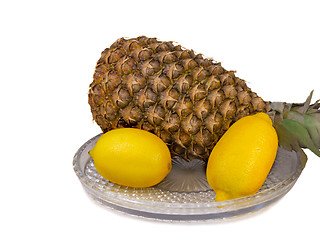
[186,100]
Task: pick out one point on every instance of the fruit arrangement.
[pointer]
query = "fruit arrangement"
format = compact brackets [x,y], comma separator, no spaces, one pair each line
[156,98]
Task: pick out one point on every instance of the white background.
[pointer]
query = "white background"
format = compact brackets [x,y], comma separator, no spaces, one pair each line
[48,52]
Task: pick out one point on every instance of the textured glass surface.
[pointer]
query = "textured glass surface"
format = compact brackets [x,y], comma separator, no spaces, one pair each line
[184,194]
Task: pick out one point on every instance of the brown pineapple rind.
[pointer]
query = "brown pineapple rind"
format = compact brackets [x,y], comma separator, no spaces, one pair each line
[185,99]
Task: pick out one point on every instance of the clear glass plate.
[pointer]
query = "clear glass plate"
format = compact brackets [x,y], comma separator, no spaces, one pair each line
[184,195]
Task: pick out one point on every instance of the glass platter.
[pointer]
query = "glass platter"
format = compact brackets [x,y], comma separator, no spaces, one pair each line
[184,195]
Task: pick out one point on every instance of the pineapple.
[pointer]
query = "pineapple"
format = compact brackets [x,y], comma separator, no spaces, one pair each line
[187,100]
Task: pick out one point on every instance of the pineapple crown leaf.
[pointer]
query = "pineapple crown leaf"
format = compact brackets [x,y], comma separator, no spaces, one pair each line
[298,125]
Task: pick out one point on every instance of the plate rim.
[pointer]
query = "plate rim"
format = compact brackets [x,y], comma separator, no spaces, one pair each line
[182,211]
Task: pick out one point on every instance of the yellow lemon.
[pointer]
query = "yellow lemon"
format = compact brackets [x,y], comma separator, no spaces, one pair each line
[241,160]
[131,157]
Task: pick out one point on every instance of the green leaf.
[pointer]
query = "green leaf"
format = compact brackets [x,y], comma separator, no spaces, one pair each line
[289,142]
[313,126]
[293,115]
[298,125]
[301,134]
[303,107]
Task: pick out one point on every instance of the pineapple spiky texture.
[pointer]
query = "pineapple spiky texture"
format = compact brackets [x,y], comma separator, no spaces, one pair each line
[187,100]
